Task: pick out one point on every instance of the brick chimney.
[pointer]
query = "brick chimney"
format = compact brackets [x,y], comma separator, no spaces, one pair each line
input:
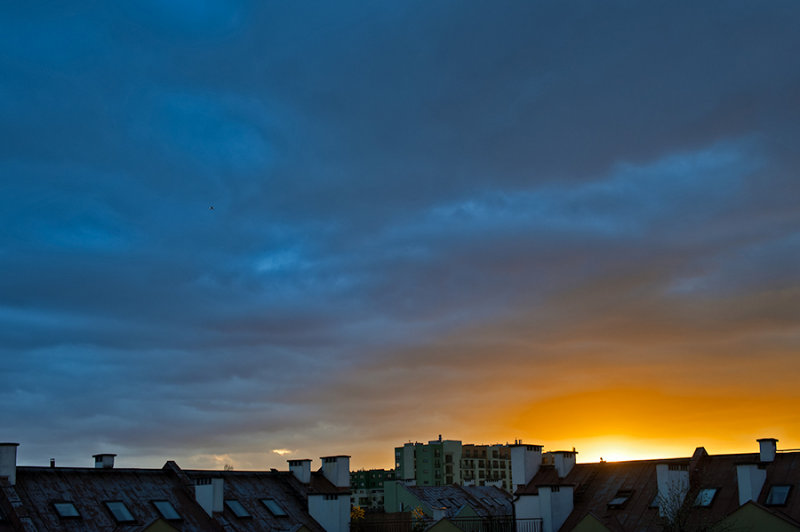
[8,461]
[301,469]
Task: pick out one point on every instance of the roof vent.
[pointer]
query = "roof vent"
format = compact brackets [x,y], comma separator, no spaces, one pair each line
[104,461]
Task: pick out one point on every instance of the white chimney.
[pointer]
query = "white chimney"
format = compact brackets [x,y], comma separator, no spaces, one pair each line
[301,469]
[750,479]
[525,463]
[208,492]
[8,461]
[337,470]
[103,461]
[673,484]
[768,447]
[564,461]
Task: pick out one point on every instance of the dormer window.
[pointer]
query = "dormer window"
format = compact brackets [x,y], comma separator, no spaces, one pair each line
[778,495]
[705,497]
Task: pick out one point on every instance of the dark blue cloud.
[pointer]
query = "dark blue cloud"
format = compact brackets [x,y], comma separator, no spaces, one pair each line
[232,227]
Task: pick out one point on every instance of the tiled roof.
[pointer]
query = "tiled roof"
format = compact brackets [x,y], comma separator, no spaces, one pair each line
[485,500]
[597,484]
[29,504]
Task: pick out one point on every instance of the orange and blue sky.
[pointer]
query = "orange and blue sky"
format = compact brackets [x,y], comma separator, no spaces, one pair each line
[236,232]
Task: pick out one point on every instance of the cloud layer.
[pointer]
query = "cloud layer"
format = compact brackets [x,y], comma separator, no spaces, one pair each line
[330,228]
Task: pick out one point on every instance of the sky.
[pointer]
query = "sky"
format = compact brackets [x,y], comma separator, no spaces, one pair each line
[238,232]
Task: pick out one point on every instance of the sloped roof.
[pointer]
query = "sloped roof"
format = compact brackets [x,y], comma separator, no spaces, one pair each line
[89,488]
[596,484]
[250,487]
[485,500]
[28,505]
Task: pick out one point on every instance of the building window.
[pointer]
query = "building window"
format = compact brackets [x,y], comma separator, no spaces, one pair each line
[236,507]
[119,511]
[329,497]
[777,495]
[166,510]
[655,501]
[705,497]
[66,510]
[620,499]
[274,508]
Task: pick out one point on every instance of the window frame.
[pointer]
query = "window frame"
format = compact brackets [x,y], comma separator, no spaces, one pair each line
[278,506]
[156,502]
[698,503]
[119,520]
[785,497]
[229,504]
[55,505]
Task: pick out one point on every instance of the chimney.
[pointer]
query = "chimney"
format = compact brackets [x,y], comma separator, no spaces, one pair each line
[208,492]
[52,462]
[750,479]
[8,461]
[673,484]
[525,463]
[564,461]
[337,470]
[301,469]
[104,461]
[767,449]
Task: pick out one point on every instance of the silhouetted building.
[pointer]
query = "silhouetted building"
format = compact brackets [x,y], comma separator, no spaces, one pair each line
[750,491]
[171,498]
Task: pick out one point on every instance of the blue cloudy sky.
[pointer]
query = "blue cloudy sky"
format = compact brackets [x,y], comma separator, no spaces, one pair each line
[231,227]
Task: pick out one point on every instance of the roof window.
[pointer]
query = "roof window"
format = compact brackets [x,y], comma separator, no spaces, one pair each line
[274,508]
[620,499]
[705,497]
[66,510]
[237,508]
[777,495]
[166,510]
[119,511]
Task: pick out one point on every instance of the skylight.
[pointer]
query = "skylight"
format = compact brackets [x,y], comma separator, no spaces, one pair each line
[777,495]
[274,507]
[619,499]
[237,508]
[119,511]
[66,509]
[166,510]
[705,497]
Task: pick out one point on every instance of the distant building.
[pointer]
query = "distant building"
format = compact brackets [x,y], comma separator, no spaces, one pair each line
[749,491]
[449,501]
[171,498]
[443,462]
[366,487]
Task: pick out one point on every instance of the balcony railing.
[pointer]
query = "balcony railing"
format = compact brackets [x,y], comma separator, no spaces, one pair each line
[466,524]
